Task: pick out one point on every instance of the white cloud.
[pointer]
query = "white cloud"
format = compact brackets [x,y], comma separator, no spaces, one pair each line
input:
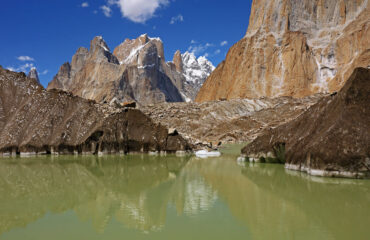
[218,51]
[85,4]
[178,18]
[193,42]
[138,11]
[206,55]
[199,48]
[223,43]
[23,68]
[25,59]
[44,72]
[106,10]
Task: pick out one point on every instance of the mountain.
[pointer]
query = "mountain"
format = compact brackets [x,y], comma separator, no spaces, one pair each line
[332,138]
[294,48]
[33,74]
[135,71]
[196,71]
[33,120]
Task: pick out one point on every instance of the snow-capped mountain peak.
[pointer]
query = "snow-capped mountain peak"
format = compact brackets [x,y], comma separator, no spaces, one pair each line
[196,70]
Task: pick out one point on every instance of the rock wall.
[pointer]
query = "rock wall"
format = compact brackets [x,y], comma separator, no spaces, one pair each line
[294,48]
[36,121]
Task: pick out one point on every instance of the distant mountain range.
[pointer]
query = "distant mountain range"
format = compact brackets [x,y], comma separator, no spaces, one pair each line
[135,71]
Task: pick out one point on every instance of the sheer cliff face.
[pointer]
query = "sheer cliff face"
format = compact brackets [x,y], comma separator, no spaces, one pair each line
[294,48]
[135,71]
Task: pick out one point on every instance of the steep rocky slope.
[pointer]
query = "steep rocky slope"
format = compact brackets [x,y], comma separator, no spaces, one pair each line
[228,121]
[332,138]
[135,71]
[294,48]
[33,120]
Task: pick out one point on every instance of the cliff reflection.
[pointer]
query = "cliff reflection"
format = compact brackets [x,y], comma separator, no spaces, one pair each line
[135,190]
[275,204]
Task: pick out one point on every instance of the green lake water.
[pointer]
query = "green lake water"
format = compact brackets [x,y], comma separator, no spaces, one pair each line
[152,197]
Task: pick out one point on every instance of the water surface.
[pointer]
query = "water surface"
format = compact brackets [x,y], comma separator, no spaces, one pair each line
[152,197]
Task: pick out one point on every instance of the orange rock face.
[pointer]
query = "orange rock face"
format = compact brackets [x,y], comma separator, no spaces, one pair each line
[294,48]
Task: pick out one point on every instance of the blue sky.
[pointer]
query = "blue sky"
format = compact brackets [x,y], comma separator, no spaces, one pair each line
[46,33]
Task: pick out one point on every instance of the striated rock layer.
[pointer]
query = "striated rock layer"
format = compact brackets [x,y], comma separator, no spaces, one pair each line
[228,121]
[135,71]
[332,138]
[33,120]
[294,48]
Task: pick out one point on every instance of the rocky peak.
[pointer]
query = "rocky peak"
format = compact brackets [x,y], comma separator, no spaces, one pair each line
[97,43]
[144,38]
[130,50]
[99,51]
[177,61]
[63,78]
[205,64]
[33,74]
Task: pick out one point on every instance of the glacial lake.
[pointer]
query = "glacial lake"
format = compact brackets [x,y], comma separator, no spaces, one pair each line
[152,197]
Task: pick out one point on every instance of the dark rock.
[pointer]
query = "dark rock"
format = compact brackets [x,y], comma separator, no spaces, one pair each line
[34,121]
[332,138]
[129,104]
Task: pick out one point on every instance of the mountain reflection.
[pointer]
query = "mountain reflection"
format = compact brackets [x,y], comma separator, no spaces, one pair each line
[136,190]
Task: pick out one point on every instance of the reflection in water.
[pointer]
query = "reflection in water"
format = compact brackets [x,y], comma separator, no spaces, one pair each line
[275,204]
[137,191]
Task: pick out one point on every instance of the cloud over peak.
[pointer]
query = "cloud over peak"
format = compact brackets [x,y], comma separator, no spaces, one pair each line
[23,68]
[199,49]
[138,11]
[25,59]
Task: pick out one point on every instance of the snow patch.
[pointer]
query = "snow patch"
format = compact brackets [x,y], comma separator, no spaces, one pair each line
[146,66]
[134,52]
